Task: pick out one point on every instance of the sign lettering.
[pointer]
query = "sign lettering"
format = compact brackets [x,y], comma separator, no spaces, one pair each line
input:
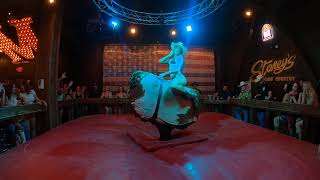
[272,68]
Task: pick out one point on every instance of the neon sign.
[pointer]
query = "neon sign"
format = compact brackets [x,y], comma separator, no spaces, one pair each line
[267,32]
[27,41]
[272,68]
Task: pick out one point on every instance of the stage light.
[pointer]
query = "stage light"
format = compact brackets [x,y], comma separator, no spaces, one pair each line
[133,31]
[173,33]
[51,1]
[189,28]
[114,24]
[248,13]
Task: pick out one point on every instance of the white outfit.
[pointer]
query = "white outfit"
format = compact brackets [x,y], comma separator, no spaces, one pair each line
[29,98]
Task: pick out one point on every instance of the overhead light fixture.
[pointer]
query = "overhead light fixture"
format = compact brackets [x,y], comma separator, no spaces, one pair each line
[114,24]
[248,13]
[133,31]
[189,28]
[51,1]
[173,33]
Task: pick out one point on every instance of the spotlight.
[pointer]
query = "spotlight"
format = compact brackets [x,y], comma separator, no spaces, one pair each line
[133,31]
[189,28]
[248,13]
[173,33]
[114,24]
[51,1]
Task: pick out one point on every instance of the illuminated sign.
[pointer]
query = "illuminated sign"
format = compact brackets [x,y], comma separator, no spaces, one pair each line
[27,41]
[270,69]
[19,69]
[267,32]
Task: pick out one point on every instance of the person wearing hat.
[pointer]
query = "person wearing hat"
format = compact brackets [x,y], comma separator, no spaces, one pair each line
[264,92]
[175,61]
[245,94]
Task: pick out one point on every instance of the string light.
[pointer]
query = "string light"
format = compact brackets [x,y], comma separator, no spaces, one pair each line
[27,41]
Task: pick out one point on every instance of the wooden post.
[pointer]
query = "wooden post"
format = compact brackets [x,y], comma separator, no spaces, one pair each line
[47,59]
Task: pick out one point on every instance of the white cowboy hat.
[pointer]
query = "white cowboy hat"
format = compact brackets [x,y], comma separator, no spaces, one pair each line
[181,46]
[242,83]
[258,78]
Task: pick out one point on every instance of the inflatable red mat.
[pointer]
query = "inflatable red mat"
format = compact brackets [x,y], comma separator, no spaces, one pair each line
[97,147]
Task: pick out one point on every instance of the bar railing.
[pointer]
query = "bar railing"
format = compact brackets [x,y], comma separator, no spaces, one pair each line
[8,113]
[80,107]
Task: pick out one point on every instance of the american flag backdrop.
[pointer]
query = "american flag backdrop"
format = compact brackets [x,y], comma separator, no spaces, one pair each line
[119,61]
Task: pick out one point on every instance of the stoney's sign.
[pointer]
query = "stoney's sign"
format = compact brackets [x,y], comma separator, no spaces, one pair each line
[274,69]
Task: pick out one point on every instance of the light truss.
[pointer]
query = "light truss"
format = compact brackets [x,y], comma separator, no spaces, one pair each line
[201,10]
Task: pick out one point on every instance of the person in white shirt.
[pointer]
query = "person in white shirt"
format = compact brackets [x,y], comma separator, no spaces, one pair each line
[29,96]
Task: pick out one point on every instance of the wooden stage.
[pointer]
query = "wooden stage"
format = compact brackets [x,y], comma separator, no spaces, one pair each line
[97,147]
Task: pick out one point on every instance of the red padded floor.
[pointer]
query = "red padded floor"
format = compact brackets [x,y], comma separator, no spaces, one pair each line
[97,147]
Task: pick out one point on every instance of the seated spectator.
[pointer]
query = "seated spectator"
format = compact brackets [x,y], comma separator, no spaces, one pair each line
[85,92]
[245,94]
[264,92]
[224,94]
[293,95]
[282,95]
[121,93]
[107,94]
[94,93]
[61,94]
[308,96]
[69,94]
[17,129]
[11,98]
[287,120]
[29,96]
[2,95]
[78,94]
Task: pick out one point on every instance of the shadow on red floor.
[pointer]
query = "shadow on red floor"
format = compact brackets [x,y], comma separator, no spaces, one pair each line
[97,147]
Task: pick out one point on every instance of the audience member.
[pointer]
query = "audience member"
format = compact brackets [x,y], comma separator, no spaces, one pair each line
[94,93]
[29,96]
[225,93]
[78,94]
[264,92]
[245,94]
[61,93]
[107,94]
[85,92]
[69,94]
[121,93]
[308,96]
[282,95]
[2,95]
[287,120]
